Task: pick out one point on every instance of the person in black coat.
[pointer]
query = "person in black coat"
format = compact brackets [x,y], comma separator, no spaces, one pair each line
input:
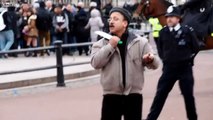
[107,8]
[44,24]
[13,18]
[177,47]
[82,34]
[70,37]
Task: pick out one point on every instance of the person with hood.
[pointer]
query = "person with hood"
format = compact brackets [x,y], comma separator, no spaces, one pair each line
[92,5]
[98,2]
[95,24]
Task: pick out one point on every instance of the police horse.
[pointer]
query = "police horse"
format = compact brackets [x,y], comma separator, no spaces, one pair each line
[196,13]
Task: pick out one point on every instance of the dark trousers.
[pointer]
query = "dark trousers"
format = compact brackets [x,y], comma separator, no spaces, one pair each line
[116,106]
[71,40]
[81,48]
[156,40]
[14,46]
[170,75]
[62,36]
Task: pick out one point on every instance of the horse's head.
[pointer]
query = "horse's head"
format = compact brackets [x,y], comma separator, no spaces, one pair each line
[198,14]
[152,8]
[144,8]
[198,6]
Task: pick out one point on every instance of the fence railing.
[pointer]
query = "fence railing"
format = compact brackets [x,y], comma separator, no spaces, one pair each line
[59,60]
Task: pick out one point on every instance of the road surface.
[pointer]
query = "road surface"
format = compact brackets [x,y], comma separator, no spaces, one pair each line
[84,101]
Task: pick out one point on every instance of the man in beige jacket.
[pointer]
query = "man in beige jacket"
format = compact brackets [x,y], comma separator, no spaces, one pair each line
[122,68]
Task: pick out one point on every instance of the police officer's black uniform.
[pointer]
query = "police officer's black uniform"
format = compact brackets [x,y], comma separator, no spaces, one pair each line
[177,48]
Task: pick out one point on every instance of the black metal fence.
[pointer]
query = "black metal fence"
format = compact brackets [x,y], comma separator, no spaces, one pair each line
[59,62]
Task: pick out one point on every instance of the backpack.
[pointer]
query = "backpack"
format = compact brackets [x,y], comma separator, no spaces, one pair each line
[2,24]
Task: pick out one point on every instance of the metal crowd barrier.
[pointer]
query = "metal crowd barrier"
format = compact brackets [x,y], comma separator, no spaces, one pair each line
[59,62]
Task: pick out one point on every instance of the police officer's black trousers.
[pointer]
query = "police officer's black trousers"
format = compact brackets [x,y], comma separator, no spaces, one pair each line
[170,75]
[116,106]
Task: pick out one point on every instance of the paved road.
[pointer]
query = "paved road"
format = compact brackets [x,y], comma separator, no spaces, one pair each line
[83,102]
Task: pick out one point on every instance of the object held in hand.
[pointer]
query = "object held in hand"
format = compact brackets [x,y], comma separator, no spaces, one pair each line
[106,35]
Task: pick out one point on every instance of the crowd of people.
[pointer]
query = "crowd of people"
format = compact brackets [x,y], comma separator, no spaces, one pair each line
[41,23]
[122,64]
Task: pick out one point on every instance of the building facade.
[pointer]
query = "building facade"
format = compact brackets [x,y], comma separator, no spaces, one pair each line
[86,2]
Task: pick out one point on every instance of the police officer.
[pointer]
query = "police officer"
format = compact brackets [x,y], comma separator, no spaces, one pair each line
[156,27]
[177,47]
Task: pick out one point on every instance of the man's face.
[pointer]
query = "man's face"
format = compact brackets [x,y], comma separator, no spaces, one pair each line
[117,23]
[49,4]
[172,21]
[69,7]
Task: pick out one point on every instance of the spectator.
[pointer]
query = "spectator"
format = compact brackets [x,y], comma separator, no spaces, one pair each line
[105,18]
[98,2]
[81,33]
[131,5]
[95,24]
[13,17]
[71,38]
[60,24]
[92,5]
[107,7]
[74,9]
[24,13]
[31,32]
[43,23]
[50,7]
[6,32]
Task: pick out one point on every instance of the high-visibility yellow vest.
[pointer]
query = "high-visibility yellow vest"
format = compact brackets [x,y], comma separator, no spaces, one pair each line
[156,26]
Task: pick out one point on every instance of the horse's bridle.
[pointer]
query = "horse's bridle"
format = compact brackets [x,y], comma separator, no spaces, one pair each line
[146,11]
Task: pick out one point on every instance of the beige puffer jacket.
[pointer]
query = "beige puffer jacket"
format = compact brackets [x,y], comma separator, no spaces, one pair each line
[108,59]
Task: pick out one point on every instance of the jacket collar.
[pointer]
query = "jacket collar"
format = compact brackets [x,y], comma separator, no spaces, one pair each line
[176,28]
[131,40]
